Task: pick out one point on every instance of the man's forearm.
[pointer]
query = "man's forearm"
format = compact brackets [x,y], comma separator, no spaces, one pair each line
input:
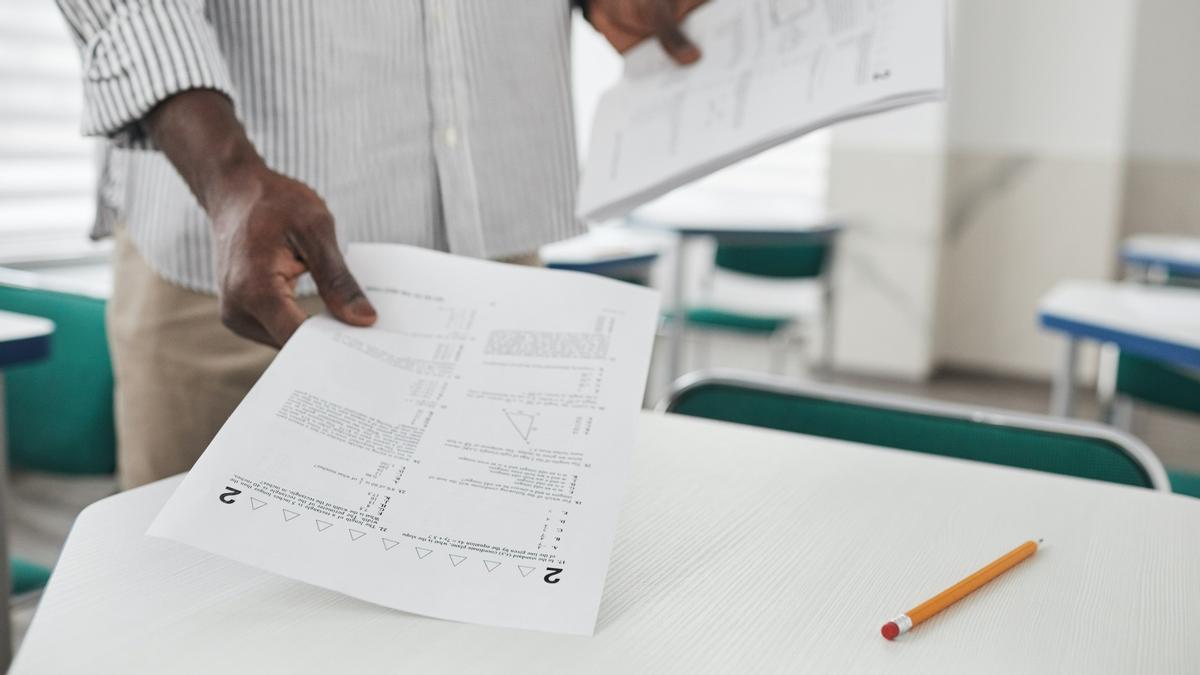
[200,134]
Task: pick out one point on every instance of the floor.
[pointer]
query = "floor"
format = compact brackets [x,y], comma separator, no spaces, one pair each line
[43,507]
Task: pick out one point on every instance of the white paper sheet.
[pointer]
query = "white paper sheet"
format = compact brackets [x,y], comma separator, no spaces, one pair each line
[462,459]
[771,70]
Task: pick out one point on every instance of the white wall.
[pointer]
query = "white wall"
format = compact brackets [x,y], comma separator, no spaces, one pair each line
[887,179]
[1036,132]
[1163,168]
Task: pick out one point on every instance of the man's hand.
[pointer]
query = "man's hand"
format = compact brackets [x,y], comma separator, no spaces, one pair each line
[269,228]
[627,22]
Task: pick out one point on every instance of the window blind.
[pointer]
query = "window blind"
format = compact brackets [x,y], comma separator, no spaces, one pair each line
[47,170]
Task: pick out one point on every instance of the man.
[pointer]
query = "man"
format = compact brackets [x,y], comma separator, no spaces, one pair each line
[260,133]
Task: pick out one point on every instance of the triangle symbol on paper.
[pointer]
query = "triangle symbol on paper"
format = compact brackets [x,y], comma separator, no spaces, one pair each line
[422,552]
[388,544]
[256,503]
[490,564]
[288,515]
[322,525]
[456,560]
[355,535]
[525,570]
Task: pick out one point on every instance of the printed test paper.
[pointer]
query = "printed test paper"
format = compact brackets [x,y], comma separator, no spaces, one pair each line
[464,458]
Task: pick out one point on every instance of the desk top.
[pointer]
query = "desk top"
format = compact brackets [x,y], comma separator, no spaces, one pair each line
[23,338]
[739,550]
[709,213]
[1153,321]
[90,278]
[1180,255]
[602,249]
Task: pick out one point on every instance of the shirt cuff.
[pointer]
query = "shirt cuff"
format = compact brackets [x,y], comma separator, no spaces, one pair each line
[146,53]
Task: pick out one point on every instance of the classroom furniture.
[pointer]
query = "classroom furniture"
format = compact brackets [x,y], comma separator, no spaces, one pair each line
[1156,257]
[1157,322]
[738,550]
[60,408]
[1068,447]
[802,237]
[771,262]
[74,385]
[606,251]
[1150,381]
[1126,377]
[24,339]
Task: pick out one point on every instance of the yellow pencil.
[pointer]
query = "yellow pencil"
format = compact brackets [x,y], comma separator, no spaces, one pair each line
[926,610]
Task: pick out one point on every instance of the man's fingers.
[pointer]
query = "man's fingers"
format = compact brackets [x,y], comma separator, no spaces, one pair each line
[338,288]
[245,325]
[278,313]
[666,27]
[678,46]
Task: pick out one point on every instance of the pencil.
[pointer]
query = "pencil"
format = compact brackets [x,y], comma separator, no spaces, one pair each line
[926,610]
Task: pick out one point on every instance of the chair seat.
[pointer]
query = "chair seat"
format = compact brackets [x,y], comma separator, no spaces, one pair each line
[1184,483]
[27,576]
[746,323]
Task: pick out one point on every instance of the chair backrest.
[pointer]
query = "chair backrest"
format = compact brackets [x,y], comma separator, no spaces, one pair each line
[1151,381]
[1069,447]
[1154,382]
[60,409]
[779,261]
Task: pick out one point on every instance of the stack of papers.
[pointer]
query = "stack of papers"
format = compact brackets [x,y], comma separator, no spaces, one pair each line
[464,458]
[771,70]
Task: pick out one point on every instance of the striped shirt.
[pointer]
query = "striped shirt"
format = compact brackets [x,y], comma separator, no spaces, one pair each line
[438,123]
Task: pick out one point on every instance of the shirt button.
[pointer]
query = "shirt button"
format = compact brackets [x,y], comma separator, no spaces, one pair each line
[450,136]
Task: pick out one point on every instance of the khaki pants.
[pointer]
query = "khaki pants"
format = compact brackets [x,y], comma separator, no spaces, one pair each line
[179,372]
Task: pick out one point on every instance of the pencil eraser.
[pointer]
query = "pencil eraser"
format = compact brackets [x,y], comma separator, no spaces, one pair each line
[890,630]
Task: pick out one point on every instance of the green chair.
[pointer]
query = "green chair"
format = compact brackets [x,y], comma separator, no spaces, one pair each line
[1143,380]
[806,259]
[1053,445]
[60,409]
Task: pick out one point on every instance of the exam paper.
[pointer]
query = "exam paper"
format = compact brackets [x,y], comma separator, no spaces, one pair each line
[462,459]
[771,70]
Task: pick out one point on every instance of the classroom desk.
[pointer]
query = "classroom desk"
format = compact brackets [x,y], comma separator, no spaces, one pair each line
[763,224]
[1158,322]
[1163,255]
[606,251]
[738,550]
[22,339]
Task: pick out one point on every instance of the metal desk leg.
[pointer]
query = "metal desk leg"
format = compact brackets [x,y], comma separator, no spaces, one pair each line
[678,312]
[5,579]
[826,364]
[1062,394]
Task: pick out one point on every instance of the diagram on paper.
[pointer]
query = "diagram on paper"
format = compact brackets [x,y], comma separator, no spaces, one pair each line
[522,422]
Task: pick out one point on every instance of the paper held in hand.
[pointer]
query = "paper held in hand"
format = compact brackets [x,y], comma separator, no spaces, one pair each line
[771,71]
[463,459]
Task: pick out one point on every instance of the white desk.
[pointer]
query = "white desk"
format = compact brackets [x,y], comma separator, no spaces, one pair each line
[22,339]
[739,550]
[1163,254]
[1154,321]
[708,215]
[610,251]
